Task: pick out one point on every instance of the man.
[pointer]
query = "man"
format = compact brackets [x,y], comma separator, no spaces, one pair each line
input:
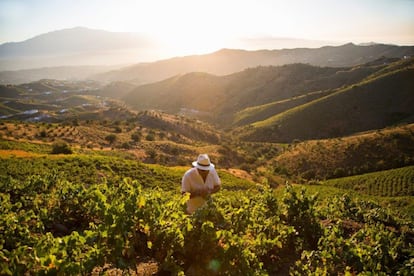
[200,181]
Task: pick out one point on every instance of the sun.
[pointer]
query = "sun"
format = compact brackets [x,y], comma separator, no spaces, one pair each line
[188,27]
[192,41]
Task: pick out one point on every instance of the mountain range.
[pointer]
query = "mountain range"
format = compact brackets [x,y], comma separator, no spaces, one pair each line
[227,61]
[82,53]
[265,95]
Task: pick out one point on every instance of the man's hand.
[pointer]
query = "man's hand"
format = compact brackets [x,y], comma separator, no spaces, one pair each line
[215,189]
[202,193]
[205,192]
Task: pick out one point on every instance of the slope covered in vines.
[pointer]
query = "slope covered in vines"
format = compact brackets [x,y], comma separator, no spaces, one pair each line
[51,225]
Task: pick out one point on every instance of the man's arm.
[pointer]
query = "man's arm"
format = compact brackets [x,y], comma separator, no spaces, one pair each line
[217,182]
[203,193]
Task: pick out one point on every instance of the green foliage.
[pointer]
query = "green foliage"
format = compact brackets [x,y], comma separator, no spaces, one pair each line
[70,214]
[150,137]
[300,212]
[30,147]
[52,226]
[136,136]
[261,112]
[233,183]
[397,182]
[309,121]
[111,138]
[357,240]
[61,148]
[88,170]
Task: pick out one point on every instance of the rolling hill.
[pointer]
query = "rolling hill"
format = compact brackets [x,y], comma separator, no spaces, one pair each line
[266,103]
[257,113]
[116,90]
[228,61]
[218,98]
[376,102]
[353,155]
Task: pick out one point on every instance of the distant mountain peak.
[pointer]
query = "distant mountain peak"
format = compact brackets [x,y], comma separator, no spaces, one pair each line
[349,44]
[73,47]
[368,43]
[226,51]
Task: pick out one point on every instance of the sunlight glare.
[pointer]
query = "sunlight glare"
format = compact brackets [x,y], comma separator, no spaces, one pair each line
[192,28]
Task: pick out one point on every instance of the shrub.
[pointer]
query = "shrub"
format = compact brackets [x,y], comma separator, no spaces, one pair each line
[125,145]
[61,148]
[150,137]
[136,137]
[110,138]
[43,133]
[118,129]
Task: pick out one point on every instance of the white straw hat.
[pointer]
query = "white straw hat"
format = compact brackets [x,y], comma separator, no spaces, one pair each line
[203,163]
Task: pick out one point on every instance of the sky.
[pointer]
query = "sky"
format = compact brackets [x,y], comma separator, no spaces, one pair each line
[195,26]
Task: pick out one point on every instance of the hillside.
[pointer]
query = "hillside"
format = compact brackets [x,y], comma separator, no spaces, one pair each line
[126,217]
[105,204]
[218,98]
[362,153]
[116,90]
[9,91]
[376,102]
[261,112]
[57,73]
[395,182]
[228,61]
[148,136]
[80,113]
[50,100]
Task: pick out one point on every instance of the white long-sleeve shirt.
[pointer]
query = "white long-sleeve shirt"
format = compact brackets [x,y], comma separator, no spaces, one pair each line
[193,182]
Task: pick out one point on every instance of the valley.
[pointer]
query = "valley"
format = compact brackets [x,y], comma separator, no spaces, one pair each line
[312,159]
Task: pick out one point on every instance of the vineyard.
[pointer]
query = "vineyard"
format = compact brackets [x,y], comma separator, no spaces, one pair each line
[316,164]
[71,215]
[396,182]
